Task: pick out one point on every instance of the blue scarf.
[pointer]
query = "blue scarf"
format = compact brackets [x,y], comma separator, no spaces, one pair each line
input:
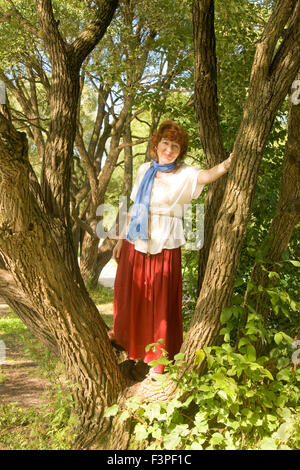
[138,225]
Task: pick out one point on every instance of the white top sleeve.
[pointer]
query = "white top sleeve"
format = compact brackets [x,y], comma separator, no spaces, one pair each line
[169,196]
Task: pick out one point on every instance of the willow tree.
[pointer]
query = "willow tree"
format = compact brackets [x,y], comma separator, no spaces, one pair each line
[34,223]
[35,239]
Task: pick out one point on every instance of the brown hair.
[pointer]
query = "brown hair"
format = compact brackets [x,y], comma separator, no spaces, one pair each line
[172,131]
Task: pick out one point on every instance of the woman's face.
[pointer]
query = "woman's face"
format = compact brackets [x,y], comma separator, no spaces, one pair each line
[167,151]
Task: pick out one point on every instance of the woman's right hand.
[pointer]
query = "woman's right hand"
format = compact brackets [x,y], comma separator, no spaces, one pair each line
[117,250]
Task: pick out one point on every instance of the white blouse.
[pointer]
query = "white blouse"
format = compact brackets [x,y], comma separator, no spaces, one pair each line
[169,195]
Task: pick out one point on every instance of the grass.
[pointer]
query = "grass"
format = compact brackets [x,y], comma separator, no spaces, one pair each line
[13,333]
[47,428]
[11,325]
[101,295]
[51,425]
[103,298]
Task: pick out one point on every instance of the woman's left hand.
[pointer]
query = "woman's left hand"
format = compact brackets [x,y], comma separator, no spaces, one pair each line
[227,162]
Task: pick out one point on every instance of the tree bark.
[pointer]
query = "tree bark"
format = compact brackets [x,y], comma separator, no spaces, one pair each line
[286,217]
[207,114]
[36,244]
[31,254]
[66,60]
[17,301]
[271,78]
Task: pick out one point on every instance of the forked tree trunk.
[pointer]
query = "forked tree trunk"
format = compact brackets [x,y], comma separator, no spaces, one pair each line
[271,78]
[103,256]
[66,60]
[92,266]
[91,255]
[32,256]
[88,255]
[95,257]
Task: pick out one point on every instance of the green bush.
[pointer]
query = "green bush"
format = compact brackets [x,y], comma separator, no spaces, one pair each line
[236,404]
[242,401]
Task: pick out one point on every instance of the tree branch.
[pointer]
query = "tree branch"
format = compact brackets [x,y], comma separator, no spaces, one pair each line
[207,112]
[88,164]
[27,25]
[260,109]
[9,288]
[281,15]
[132,144]
[289,48]
[206,95]
[91,35]
[86,227]
[52,38]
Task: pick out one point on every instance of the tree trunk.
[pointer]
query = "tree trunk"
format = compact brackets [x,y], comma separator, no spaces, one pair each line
[38,250]
[88,256]
[207,113]
[96,257]
[66,60]
[90,260]
[17,301]
[128,158]
[286,217]
[31,254]
[271,78]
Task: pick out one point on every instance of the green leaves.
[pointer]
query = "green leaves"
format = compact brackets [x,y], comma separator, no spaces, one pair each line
[294,263]
[282,337]
[141,432]
[199,357]
[278,338]
[268,443]
[284,375]
[111,411]
[226,315]
[153,411]
[236,404]
[251,352]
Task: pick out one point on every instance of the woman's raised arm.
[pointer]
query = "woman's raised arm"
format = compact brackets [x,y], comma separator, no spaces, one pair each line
[208,176]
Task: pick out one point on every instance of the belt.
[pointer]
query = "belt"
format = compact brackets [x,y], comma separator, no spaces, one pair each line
[168,214]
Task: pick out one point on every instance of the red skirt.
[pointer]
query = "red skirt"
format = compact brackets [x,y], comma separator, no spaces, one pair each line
[147,302]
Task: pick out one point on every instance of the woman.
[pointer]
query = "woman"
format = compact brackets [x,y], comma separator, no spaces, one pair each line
[148,284]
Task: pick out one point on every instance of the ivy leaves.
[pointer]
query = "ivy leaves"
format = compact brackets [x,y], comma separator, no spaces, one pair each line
[237,404]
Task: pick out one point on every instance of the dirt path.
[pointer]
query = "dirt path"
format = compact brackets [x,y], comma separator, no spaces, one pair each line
[19,379]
